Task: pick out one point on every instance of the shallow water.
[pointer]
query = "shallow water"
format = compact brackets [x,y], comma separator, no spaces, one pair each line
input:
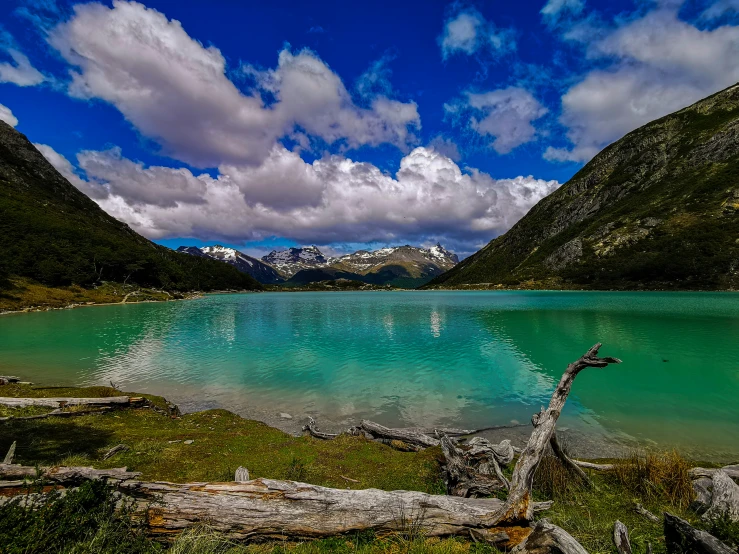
[465,359]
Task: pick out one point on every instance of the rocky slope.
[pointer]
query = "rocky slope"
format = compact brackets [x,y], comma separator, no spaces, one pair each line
[52,233]
[658,209]
[261,271]
[289,262]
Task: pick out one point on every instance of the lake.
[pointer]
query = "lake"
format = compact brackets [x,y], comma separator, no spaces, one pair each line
[462,359]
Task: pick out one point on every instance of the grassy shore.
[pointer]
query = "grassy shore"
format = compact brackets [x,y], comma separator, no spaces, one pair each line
[27,295]
[222,441]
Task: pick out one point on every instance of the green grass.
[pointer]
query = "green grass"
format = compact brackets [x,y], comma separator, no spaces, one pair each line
[223,441]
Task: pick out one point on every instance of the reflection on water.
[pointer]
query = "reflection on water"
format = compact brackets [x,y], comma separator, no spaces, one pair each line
[432,358]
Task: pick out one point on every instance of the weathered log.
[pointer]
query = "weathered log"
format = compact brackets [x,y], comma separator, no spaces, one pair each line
[567,461]
[549,539]
[270,509]
[681,537]
[621,538]
[403,435]
[113,451]
[731,470]
[63,474]
[10,455]
[11,402]
[312,429]
[642,511]
[724,498]
[59,412]
[518,507]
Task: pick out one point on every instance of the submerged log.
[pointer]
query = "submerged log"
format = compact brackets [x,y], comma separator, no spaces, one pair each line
[724,498]
[681,537]
[621,538]
[11,402]
[549,539]
[519,506]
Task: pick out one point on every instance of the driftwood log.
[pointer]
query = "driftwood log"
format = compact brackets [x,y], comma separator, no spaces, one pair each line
[642,511]
[549,539]
[474,470]
[63,474]
[621,538]
[567,462]
[121,401]
[730,470]
[681,537]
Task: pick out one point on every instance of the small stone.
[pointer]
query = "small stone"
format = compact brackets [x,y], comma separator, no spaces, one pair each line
[283,415]
[190,441]
[515,422]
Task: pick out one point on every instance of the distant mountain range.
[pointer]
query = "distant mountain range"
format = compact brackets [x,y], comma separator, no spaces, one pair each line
[400,266]
[658,209]
[52,233]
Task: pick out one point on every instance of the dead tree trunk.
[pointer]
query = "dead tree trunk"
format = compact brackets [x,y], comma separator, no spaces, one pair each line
[682,537]
[519,507]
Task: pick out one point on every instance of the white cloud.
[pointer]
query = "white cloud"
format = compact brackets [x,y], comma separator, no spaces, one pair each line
[554,10]
[661,64]
[19,71]
[7,116]
[467,32]
[175,90]
[446,147]
[504,114]
[343,200]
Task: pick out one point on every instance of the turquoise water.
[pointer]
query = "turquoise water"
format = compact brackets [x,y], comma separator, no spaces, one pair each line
[411,358]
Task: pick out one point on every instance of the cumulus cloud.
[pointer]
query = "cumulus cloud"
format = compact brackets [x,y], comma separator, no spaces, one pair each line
[175,90]
[661,64]
[346,201]
[467,31]
[504,114]
[446,146]
[720,8]
[7,116]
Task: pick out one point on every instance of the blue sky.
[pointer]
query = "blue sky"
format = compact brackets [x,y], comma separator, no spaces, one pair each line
[262,125]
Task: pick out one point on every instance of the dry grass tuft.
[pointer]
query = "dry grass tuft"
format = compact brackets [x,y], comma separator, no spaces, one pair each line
[657,475]
[554,480]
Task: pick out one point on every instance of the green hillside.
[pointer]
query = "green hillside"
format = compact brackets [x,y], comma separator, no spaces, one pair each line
[659,209]
[52,233]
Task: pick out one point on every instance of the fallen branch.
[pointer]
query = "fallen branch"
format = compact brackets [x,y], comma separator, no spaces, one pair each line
[312,429]
[682,537]
[113,451]
[10,455]
[519,506]
[642,511]
[621,538]
[568,463]
[596,467]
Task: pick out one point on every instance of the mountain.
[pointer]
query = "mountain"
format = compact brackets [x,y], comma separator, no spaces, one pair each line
[289,262]
[658,209]
[52,233]
[261,271]
[399,266]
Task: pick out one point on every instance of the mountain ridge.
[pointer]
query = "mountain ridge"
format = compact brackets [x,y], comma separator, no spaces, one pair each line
[657,209]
